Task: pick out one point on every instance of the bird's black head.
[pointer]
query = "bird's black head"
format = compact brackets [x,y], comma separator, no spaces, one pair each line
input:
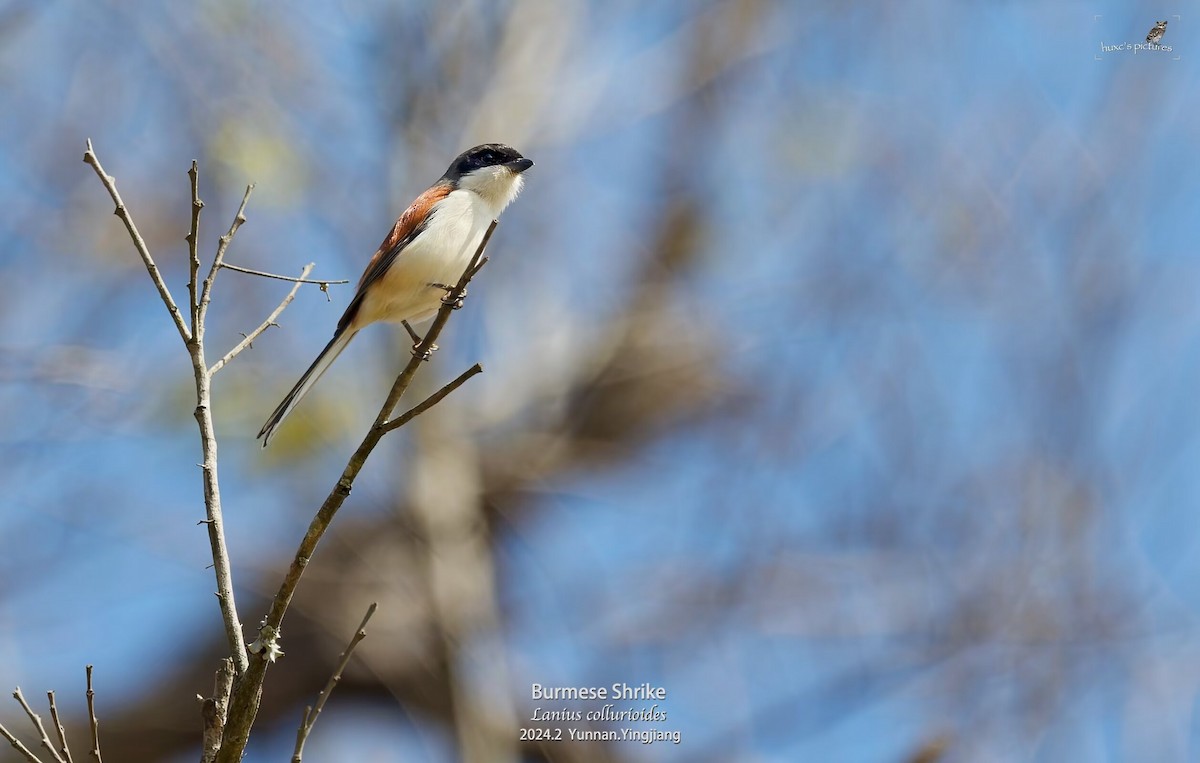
[484,156]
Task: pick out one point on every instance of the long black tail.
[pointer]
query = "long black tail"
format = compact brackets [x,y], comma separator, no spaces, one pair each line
[319,366]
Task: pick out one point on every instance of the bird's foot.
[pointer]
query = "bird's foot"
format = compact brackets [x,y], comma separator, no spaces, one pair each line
[450,299]
[423,354]
[417,341]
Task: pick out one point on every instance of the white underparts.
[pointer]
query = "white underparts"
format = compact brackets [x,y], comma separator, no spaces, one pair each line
[442,251]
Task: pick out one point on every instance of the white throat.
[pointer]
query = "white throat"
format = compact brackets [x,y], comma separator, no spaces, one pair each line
[497,186]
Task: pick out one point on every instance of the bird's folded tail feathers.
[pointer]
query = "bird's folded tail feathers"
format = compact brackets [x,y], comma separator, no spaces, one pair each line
[310,377]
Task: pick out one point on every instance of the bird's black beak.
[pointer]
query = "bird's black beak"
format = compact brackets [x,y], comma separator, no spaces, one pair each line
[519,165]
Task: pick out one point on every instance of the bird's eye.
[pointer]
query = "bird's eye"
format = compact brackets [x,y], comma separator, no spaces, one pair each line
[489,157]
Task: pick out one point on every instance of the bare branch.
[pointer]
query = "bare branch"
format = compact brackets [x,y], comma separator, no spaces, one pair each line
[248,690]
[91,703]
[206,290]
[311,713]
[432,400]
[269,322]
[193,249]
[16,743]
[214,521]
[110,183]
[36,720]
[194,341]
[62,732]
[278,277]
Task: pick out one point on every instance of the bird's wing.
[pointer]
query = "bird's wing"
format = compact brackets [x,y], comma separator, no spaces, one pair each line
[408,226]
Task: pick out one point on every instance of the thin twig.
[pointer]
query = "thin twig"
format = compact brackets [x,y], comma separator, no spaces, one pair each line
[432,400]
[193,248]
[91,703]
[110,183]
[62,732]
[16,743]
[222,247]
[36,720]
[248,691]
[278,277]
[311,713]
[268,323]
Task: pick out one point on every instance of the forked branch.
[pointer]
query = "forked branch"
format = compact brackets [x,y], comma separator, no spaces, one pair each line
[248,690]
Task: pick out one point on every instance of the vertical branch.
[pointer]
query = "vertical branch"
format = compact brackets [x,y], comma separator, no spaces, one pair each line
[193,248]
[91,703]
[215,521]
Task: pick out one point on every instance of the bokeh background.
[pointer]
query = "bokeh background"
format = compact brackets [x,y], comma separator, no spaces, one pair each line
[842,366]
